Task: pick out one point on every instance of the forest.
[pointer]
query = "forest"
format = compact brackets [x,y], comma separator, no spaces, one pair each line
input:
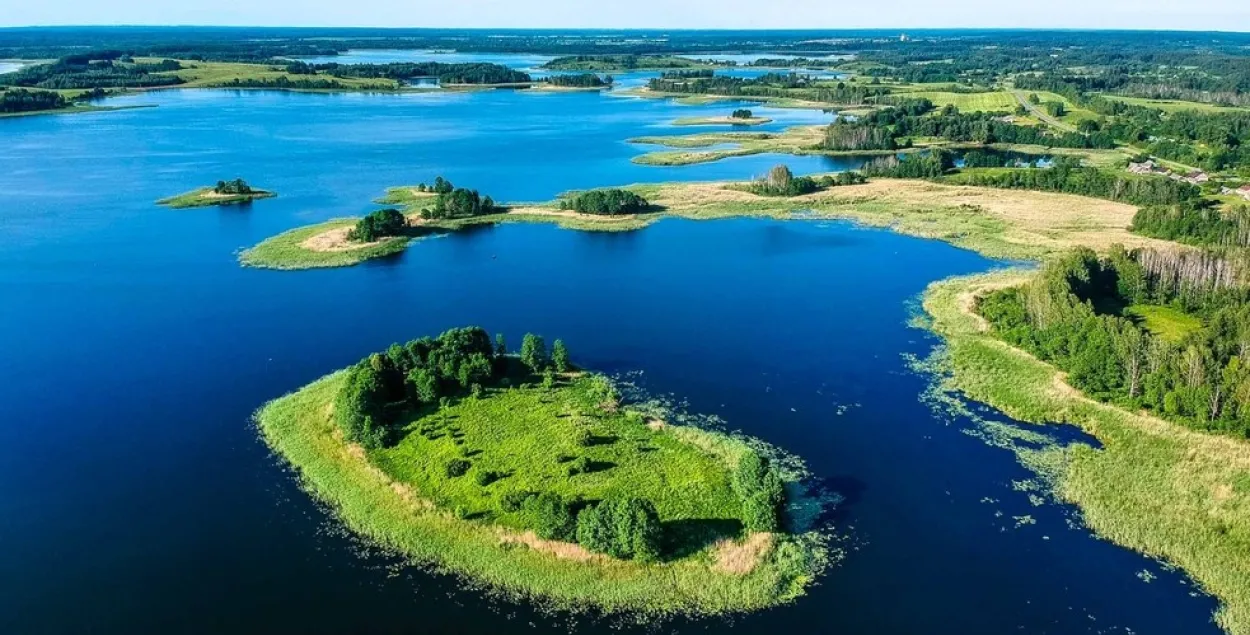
[451,202]
[466,73]
[770,85]
[1081,314]
[15,100]
[580,80]
[104,69]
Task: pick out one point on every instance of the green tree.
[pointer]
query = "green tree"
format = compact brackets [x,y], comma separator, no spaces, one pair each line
[560,356]
[760,489]
[550,516]
[623,527]
[534,352]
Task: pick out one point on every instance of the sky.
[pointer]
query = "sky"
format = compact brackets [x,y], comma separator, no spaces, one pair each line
[1218,15]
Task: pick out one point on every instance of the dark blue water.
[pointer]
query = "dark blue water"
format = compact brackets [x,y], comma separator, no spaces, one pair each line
[135,496]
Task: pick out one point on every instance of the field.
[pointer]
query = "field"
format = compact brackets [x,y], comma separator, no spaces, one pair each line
[996,101]
[206,197]
[1166,322]
[398,515]
[1154,486]
[529,435]
[1174,105]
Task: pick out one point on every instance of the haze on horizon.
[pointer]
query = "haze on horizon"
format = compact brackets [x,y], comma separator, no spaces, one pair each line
[1203,15]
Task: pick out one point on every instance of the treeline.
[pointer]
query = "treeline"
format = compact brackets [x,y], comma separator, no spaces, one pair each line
[610,202]
[451,202]
[465,73]
[770,85]
[93,70]
[1069,177]
[22,100]
[615,62]
[1195,222]
[581,80]
[283,82]
[1071,316]
[977,127]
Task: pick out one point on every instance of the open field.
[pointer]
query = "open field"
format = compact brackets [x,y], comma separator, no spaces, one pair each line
[996,101]
[222,74]
[1166,322]
[398,514]
[1174,105]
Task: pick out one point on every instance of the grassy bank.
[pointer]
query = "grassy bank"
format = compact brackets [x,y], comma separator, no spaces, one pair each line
[721,121]
[1154,487]
[998,223]
[206,197]
[388,502]
[288,251]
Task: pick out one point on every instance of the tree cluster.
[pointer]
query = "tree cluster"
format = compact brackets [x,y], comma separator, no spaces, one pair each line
[237,186]
[93,70]
[378,225]
[780,181]
[610,202]
[451,202]
[22,100]
[581,80]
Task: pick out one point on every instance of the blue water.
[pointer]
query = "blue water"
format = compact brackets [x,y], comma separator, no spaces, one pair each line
[134,493]
[384,56]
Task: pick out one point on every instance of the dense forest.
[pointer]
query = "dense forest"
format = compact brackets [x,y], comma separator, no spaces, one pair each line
[609,202]
[1079,314]
[615,62]
[466,73]
[104,69]
[13,100]
[580,80]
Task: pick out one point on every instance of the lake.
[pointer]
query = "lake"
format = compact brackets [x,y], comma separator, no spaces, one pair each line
[135,495]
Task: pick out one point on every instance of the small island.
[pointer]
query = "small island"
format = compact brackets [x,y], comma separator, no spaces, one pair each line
[236,192]
[739,117]
[535,478]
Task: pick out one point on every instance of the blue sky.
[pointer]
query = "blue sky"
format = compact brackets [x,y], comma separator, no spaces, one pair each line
[1223,15]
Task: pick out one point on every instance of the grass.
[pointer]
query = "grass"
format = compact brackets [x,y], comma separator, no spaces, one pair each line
[397,515]
[1164,321]
[1175,105]
[528,434]
[205,197]
[1154,487]
[996,101]
[721,121]
[286,250]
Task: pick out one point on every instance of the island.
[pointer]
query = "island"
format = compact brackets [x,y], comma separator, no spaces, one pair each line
[523,473]
[739,117]
[236,192]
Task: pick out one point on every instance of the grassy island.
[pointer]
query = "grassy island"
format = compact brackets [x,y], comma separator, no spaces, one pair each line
[236,192]
[523,474]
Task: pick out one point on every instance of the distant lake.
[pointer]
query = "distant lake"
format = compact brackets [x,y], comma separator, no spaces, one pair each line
[9,67]
[135,496]
[386,56]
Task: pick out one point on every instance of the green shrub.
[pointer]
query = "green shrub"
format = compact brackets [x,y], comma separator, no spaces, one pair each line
[760,489]
[623,527]
[457,467]
[580,465]
[486,477]
[583,437]
[550,516]
[513,502]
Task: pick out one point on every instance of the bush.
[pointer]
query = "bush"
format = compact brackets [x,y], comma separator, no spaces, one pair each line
[583,437]
[623,527]
[457,467]
[550,516]
[513,502]
[486,477]
[580,465]
[760,489]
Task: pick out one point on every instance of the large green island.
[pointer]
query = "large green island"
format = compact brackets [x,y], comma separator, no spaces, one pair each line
[528,476]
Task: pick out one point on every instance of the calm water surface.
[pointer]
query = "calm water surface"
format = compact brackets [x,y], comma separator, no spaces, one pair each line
[135,495]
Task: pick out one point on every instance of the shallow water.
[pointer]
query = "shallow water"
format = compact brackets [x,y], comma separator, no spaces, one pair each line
[134,489]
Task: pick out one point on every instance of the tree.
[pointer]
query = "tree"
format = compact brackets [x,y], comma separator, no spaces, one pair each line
[534,352]
[760,490]
[560,356]
[623,527]
[501,345]
[377,225]
[550,516]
